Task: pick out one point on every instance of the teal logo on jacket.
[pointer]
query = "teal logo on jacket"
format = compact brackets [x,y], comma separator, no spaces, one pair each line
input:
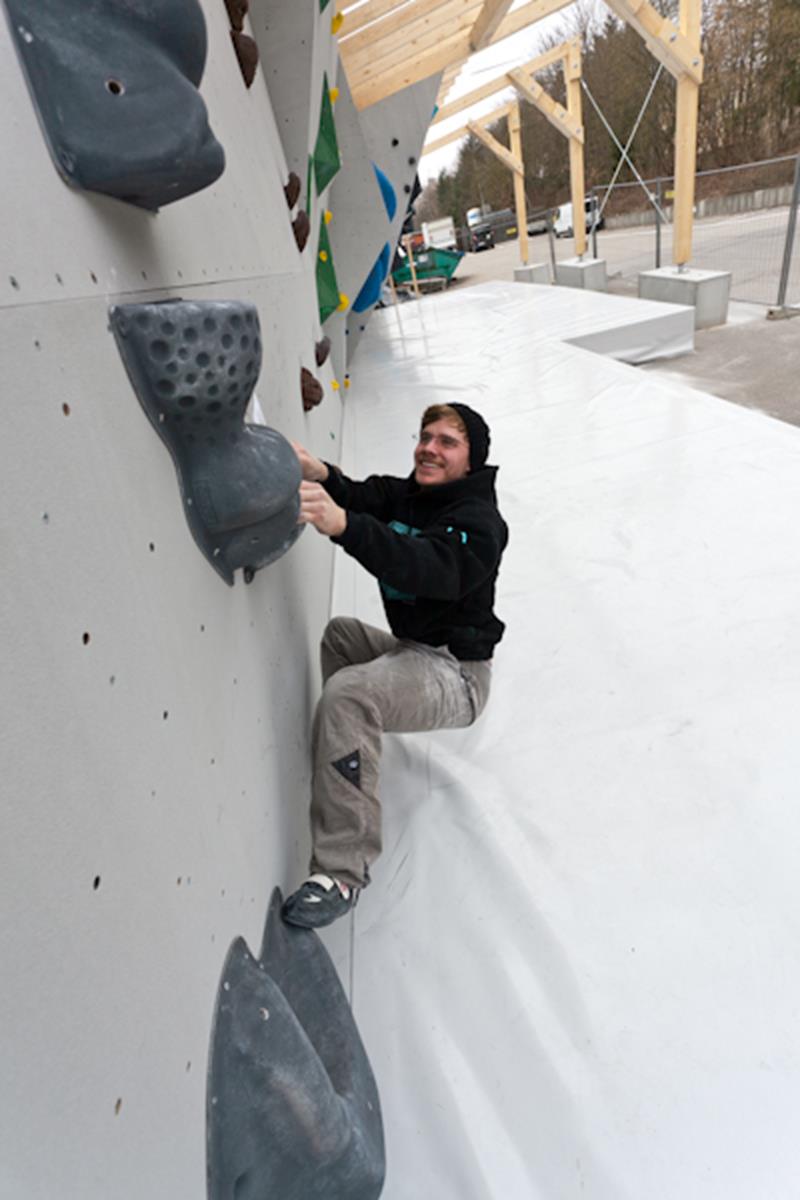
[392,593]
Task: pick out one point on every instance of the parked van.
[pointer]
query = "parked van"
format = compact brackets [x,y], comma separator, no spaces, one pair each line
[562,219]
[440,234]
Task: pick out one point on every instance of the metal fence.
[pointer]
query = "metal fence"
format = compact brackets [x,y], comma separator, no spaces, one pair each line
[745,223]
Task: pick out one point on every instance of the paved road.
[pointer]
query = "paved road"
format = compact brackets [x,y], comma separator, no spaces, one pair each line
[749,245]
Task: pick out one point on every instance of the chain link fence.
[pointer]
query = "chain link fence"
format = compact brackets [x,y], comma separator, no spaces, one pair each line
[745,220]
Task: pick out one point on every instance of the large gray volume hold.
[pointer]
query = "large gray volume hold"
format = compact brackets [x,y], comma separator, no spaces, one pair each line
[115,87]
[193,366]
[293,1110]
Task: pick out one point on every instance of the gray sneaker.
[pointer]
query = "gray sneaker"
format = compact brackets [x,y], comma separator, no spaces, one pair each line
[319,901]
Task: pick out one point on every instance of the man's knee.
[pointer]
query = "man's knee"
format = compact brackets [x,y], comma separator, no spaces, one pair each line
[347,691]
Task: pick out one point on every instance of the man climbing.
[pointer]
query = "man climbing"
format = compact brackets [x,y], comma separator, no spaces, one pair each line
[434,542]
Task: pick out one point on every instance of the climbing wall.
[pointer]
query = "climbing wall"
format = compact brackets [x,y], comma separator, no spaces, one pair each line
[394,131]
[154,721]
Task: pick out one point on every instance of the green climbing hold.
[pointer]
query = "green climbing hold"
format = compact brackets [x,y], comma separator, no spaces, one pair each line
[326,151]
[328,296]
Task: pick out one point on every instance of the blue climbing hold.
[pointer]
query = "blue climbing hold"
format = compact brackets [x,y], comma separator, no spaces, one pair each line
[387,191]
[371,290]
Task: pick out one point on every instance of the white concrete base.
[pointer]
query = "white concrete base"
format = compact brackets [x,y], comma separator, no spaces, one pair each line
[533,273]
[706,291]
[589,273]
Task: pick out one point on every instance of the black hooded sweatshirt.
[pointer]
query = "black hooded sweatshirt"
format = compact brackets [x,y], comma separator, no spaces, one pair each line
[435,552]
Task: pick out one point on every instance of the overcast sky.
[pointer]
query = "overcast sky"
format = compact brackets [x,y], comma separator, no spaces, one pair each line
[480,69]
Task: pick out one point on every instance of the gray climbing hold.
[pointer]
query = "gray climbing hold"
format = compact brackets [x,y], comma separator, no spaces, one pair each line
[193,366]
[292,1107]
[115,86]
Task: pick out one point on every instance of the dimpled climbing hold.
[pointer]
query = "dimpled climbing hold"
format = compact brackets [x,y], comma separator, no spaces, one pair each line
[323,256]
[328,215]
[335,384]
[115,86]
[336,23]
[343,302]
[193,366]
[334,94]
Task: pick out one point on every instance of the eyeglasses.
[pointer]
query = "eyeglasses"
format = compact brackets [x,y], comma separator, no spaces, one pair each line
[445,441]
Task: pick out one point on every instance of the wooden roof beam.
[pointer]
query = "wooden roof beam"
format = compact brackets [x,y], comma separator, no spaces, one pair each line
[664,41]
[358,18]
[367,91]
[407,42]
[502,81]
[456,135]
[400,23]
[489,19]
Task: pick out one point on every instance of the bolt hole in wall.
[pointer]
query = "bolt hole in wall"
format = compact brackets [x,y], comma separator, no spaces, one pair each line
[115,87]
[87,637]
[65,408]
[96,882]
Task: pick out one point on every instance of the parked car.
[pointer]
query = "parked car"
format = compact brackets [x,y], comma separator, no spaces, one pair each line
[481,238]
[537,223]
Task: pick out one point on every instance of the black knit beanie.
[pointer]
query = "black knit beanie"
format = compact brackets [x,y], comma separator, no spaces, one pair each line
[478,434]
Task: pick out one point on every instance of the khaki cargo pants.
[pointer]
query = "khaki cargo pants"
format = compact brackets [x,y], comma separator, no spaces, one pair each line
[372,683]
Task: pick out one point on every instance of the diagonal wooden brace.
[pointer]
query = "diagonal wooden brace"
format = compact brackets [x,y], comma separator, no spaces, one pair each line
[664,41]
[496,147]
[556,114]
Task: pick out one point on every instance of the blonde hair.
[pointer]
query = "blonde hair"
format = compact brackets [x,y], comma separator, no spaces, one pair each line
[443,412]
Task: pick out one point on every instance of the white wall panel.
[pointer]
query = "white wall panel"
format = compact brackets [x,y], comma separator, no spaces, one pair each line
[153,721]
[84,245]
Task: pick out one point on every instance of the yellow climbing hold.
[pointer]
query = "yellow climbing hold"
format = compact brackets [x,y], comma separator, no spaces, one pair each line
[337,22]
[335,384]
[328,216]
[347,381]
[334,94]
[344,302]
[323,256]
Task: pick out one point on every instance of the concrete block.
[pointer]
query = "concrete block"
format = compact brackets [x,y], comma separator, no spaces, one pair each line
[706,291]
[584,272]
[533,273]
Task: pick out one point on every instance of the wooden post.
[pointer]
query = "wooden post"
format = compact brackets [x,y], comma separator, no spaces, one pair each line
[572,75]
[686,140]
[515,139]
[411,265]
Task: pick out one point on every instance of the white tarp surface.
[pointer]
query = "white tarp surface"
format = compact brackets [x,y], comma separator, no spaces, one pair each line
[505,315]
[577,970]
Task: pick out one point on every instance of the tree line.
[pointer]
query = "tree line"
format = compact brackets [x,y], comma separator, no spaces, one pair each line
[749,109]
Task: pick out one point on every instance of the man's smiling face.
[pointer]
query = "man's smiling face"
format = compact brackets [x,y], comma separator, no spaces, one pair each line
[442,454]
